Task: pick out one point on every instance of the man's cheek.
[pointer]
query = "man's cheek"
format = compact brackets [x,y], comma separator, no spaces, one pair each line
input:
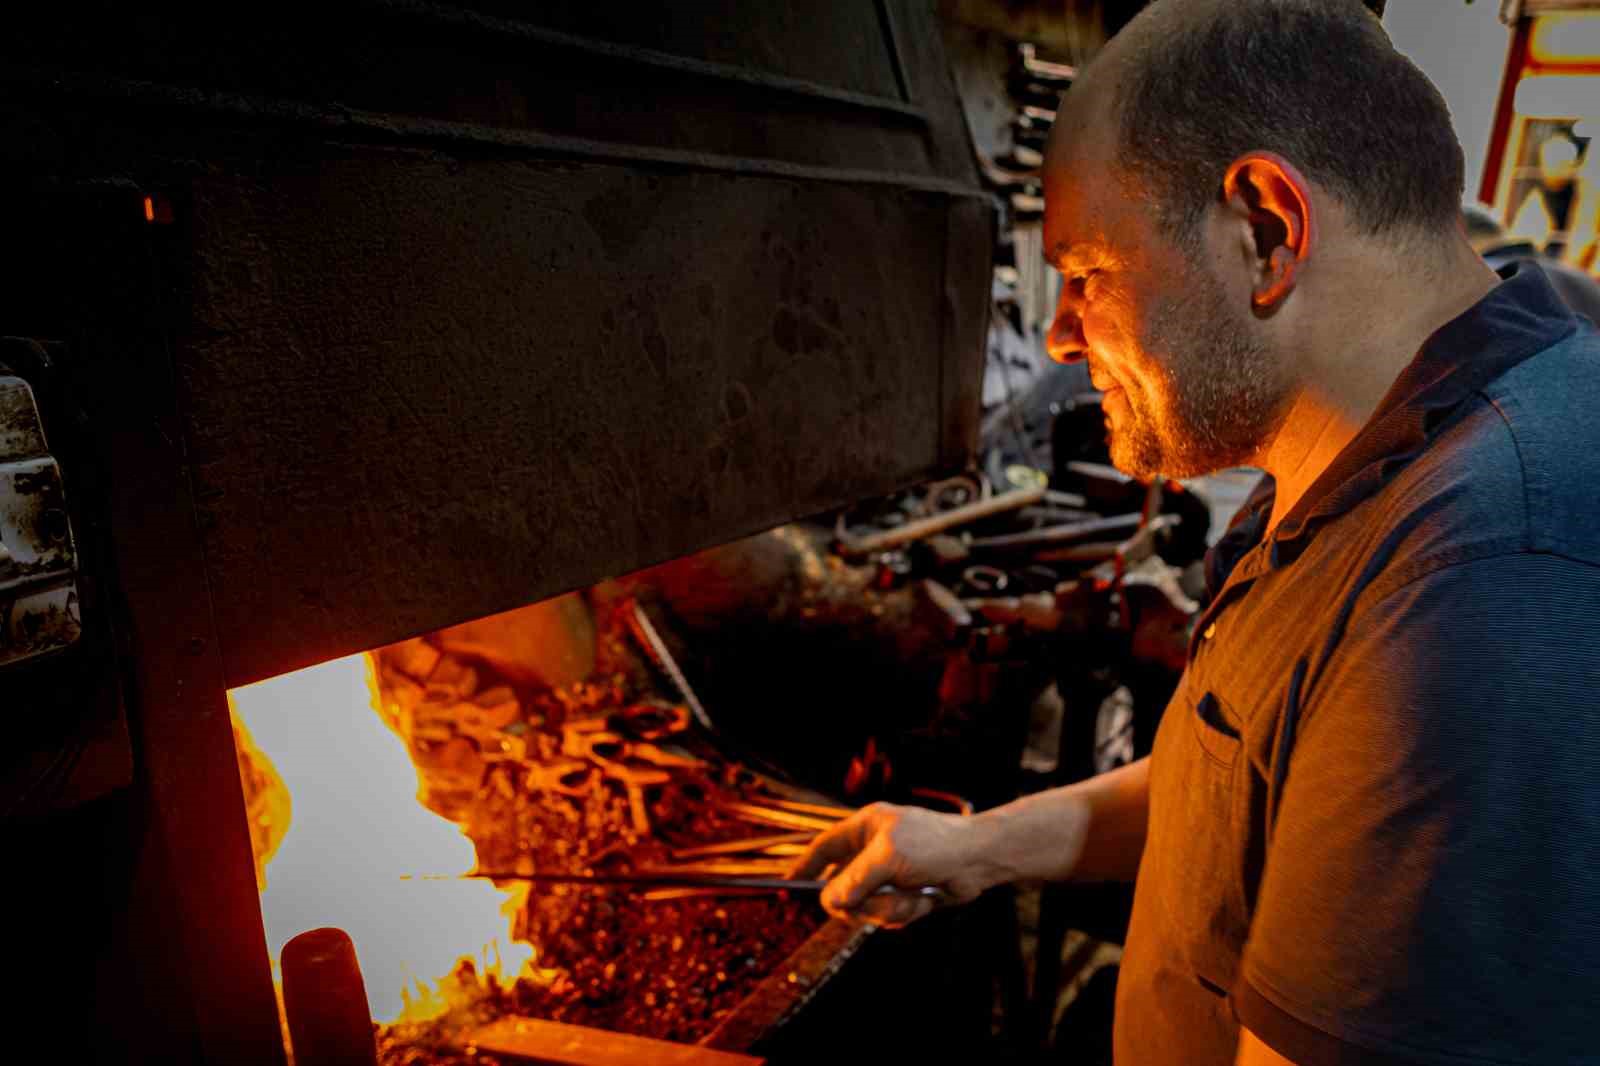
[1113,321]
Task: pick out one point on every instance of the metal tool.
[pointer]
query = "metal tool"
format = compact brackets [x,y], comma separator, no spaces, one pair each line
[926,527]
[669,880]
[1070,531]
[642,628]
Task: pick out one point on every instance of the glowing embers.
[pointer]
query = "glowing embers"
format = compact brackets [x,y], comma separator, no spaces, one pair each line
[349,788]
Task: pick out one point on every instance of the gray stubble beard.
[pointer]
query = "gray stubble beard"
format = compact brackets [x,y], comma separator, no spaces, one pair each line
[1220,384]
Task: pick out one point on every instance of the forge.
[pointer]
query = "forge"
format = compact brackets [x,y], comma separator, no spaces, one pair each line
[373,782]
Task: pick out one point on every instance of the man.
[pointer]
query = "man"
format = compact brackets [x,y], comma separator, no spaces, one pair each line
[1370,828]
[1488,238]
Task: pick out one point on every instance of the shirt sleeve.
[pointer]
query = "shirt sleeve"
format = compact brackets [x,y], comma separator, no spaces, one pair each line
[1431,891]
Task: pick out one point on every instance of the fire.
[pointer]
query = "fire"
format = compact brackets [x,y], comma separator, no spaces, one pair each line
[357,836]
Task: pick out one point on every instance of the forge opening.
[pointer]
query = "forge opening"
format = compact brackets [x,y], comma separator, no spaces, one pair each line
[531,742]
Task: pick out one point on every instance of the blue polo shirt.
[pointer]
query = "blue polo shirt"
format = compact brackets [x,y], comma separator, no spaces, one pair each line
[1375,797]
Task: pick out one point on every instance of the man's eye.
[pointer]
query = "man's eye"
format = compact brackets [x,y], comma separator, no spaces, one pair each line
[1080,283]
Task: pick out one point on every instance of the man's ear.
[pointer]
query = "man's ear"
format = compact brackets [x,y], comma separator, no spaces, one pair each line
[1270,202]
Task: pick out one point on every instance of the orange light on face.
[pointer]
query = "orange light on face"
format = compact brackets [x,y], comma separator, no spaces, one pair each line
[149,209]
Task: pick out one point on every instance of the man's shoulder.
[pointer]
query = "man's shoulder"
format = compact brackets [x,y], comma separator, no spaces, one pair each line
[1578,290]
[1549,405]
[1513,469]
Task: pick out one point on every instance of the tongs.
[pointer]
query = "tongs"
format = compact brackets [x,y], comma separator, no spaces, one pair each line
[674,880]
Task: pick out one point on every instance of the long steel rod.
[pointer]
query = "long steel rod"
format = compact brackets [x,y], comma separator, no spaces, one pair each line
[662,880]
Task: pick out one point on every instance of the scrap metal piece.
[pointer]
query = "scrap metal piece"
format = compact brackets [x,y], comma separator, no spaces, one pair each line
[568,777]
[655,755]
[39,605]
[636,808]
[652,720]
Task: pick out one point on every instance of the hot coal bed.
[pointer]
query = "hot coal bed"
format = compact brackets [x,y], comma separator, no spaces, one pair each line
[596,776]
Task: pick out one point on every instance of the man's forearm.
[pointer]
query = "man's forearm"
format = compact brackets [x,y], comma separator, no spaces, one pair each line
[1090,831]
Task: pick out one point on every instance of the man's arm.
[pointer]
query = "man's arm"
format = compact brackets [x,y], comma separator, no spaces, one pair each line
[1252,1052]
[1091,831]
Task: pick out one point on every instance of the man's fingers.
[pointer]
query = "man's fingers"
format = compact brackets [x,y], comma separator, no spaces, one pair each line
[832,846]
[893,909]
[869,871]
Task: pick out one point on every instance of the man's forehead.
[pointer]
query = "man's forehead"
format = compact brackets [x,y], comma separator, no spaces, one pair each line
[1084,113]
[1080,185]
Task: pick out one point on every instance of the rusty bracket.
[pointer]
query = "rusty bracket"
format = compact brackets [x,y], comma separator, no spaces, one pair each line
[40,611]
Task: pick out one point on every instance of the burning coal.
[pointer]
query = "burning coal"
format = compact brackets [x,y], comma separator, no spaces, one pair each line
[368,777]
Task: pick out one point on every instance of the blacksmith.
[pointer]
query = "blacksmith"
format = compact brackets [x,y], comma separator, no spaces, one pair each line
[1370,828]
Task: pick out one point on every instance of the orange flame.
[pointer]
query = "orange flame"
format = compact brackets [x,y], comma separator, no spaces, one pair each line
[357,831]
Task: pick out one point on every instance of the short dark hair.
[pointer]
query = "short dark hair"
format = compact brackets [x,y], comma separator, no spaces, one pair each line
[1317,82]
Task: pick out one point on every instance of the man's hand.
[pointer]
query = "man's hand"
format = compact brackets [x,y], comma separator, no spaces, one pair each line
[905,847]
[1093,831]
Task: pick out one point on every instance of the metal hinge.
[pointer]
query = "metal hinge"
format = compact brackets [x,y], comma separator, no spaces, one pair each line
[40,611]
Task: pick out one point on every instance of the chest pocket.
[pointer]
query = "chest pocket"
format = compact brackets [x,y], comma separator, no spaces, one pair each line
[1199,808]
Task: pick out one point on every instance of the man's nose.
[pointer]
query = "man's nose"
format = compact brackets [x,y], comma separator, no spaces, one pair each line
[1065,341]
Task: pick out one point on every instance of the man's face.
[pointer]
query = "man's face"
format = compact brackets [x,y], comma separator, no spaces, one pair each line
[1189,386]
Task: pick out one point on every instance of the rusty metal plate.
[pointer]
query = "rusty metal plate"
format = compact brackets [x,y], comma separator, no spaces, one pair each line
[39,611]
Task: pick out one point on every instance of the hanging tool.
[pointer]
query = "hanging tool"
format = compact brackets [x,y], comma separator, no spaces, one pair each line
[646,633]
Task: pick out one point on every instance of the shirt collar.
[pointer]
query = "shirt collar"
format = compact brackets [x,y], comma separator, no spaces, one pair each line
[1517,319]
[1500,254]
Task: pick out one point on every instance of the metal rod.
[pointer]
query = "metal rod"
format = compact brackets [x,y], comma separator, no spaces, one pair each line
[927,527]
[723,866]
[1059,534]
[1069,500]
[822,810]
[752,812]
[640,623]
[740,847]
[665,880]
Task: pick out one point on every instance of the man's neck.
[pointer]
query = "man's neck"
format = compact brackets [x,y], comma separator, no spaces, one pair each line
[1354,369]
